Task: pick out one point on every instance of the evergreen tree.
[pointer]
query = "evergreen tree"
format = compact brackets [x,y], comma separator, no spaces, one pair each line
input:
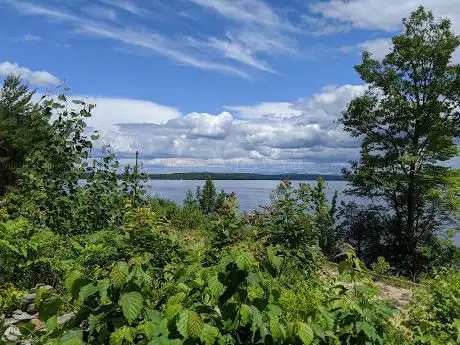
[409,122]
[208,197]
[22,129]
[189,200]
[220,200]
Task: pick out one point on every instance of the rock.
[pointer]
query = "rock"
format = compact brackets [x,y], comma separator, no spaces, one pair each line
[28,299]
[31,308]
[65,318]
[38,324]
[10,321]
[12,333]
[26,342]
[21,316]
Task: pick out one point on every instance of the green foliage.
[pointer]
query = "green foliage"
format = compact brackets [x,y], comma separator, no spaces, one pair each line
[409,125]
[141,271]
[208,197]
[227,227]
[299,217]
[25,254]
[381,266]
[10,298]
[23,129]
[434,315]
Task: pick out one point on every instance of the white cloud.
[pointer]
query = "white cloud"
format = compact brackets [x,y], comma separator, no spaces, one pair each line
[128,6]
[383,15]
[287,135]
[321,26]
[246,11]
[239,53]
[210,126]
[244,46]
[379,47]
[101,12]
[148,40]
[326,106]
[110,112]
[203,125]
[30,38]
[268,110]
[40,78]
[156,43]
[28,8]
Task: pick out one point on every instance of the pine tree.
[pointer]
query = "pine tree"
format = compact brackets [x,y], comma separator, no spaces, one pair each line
[208,197]
[189,200]
[22,129]
[220,200]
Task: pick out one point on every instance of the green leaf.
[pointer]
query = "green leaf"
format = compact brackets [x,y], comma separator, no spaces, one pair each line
[72,338]
[122,334]
[51,323]
[48,309]
[215,286]
[209,334]
[276,328]
[74,283]
[181,324]
[245,314]
[131,304]
[149,328]
[367,329]
[274,260]
[119,274]
[304,332]
[172,310]
[87,291]
[318,330]
[245,260]
[103,287]
[194,325]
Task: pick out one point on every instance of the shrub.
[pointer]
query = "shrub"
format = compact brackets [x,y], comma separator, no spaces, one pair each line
[434,315]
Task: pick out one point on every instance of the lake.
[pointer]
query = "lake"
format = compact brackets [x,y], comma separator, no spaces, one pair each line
[250,193]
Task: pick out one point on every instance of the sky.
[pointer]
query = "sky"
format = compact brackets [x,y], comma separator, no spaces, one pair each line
[209,85]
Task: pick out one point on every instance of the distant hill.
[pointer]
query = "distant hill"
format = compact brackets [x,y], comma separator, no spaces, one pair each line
[242,176]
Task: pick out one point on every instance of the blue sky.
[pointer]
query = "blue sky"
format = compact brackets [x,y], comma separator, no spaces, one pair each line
[221,85]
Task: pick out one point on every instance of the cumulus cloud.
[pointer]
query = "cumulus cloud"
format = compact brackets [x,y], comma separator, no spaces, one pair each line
[40,78]
[284,136]
[267,110]
[110,112]
[206,125]
[379,47]
[326,106]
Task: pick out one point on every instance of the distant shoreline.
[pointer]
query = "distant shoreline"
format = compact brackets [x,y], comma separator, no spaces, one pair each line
[243,176]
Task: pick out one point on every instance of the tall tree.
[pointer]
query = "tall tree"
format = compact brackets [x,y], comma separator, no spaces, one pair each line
[208,196]
[22,128]
[409,121]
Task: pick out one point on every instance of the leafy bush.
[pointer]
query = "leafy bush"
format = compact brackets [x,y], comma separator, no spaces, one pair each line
[434,315]
[26,253]
[299,217]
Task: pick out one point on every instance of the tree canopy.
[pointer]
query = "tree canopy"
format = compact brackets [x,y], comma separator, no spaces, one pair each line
[409,121]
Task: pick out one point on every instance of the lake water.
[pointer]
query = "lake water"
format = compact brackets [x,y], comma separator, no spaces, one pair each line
[251,194]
